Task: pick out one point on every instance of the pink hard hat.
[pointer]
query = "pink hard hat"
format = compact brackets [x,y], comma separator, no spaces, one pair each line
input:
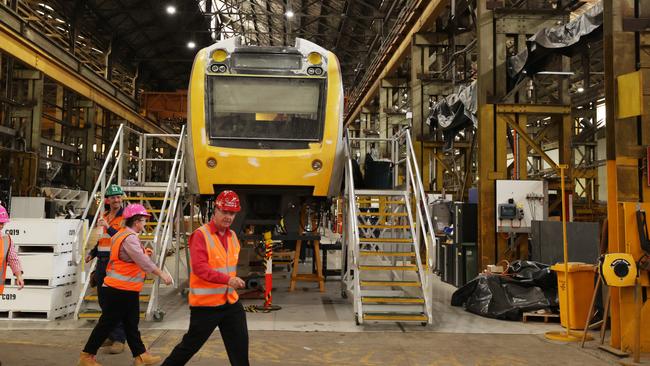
[4,216]
[134,209]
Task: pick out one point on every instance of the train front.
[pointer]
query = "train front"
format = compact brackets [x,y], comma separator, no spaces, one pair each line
[267,123]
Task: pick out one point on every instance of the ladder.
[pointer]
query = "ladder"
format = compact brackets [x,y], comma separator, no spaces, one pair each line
[389,241]
[155,181]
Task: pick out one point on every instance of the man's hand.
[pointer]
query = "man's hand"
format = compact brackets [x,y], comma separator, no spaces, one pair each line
[89,258]
[102,222]
[236,282]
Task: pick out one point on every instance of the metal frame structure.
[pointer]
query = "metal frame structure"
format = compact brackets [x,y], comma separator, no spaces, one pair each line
[134,174]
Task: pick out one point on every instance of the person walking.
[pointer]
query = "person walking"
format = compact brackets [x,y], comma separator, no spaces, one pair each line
[111,222]
[125,276]
[213,299]
[8,255]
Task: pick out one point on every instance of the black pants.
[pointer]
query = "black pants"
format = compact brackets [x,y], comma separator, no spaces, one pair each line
[231,320]
[120,306]
[117,334]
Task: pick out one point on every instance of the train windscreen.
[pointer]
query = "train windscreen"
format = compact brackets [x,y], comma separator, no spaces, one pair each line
[265,108]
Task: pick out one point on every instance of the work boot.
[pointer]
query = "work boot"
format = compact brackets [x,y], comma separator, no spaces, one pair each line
[86,359]
[146,359]
[107,343]
[116,347]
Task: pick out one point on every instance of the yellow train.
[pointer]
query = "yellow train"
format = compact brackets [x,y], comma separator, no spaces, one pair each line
[267,123]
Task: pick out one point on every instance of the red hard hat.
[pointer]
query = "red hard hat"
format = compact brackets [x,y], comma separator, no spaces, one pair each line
[228,201]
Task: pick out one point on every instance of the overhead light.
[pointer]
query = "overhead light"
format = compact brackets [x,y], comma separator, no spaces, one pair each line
[191,44]
[171,9]
[289,14]
[581,89]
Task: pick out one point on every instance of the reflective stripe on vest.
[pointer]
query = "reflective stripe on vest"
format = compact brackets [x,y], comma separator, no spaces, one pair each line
[120,274]
[4,252]
[222,260]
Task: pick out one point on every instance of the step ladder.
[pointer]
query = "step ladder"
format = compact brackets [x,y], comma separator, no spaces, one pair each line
[390,243]
[162,196]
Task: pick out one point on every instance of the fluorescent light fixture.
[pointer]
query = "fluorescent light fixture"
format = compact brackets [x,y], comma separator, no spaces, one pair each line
[289,14]
[171,9]
[191,44]
[581,89]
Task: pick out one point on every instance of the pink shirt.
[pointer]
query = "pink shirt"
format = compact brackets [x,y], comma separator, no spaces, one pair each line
[131,251]
[12,258]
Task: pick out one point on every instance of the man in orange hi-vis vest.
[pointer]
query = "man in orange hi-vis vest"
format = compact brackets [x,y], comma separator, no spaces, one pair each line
[213,298]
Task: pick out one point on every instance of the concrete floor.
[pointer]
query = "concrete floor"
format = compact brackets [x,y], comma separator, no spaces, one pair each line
[317,328]
[61,347]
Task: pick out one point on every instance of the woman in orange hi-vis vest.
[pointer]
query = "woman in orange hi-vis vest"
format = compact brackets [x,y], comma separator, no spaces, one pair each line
[214,250]
[125,275]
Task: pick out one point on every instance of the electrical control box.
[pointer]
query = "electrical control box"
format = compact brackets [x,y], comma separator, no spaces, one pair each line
[518,202]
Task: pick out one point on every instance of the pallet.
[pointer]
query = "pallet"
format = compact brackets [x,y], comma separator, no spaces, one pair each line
[541,316]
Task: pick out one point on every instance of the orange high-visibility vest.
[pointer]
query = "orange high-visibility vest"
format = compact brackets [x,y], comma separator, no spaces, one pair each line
[204,293]
[104,244]
[120,274]
[4,260]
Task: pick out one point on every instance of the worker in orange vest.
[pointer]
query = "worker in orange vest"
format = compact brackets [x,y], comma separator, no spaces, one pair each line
[111,222]
[214,251]
[125,276]
[8,255]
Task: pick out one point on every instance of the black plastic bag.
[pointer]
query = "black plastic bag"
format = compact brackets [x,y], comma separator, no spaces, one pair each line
[527,286]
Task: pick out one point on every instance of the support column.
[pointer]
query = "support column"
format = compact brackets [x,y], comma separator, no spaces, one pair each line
[89,139]
[626,138]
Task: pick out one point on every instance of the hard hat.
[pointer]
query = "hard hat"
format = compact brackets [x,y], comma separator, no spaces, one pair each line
[228,201]
[113,190]
[4,216]
[134,209]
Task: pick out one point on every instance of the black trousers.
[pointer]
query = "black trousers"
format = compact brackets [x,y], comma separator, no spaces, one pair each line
[231,320]
[119,306]
[117,334]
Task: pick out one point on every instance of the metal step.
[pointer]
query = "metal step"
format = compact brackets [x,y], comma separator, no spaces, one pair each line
[95,314]
[388,268]
[393,308]
[414,317]
[392,214]
[391,300]
[384,226]
[383,293]
[387,202]
[143,298]
[378,192]
[390,283]
[386,240]
[370,253]
[136,198]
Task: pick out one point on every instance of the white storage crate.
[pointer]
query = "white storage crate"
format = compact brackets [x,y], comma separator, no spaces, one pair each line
[46,303]
[46,269]
[45,235]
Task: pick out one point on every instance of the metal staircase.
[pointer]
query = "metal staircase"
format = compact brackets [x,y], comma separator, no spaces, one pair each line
[162,198]
[389,241]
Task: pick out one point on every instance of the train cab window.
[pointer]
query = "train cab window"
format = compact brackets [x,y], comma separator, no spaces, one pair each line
[265,109]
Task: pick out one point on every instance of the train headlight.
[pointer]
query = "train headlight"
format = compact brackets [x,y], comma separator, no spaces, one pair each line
[318,71]
[214,68]
[219,55]
[317,165]
[211,163]
[315,58]
[310,71]
[222,68]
